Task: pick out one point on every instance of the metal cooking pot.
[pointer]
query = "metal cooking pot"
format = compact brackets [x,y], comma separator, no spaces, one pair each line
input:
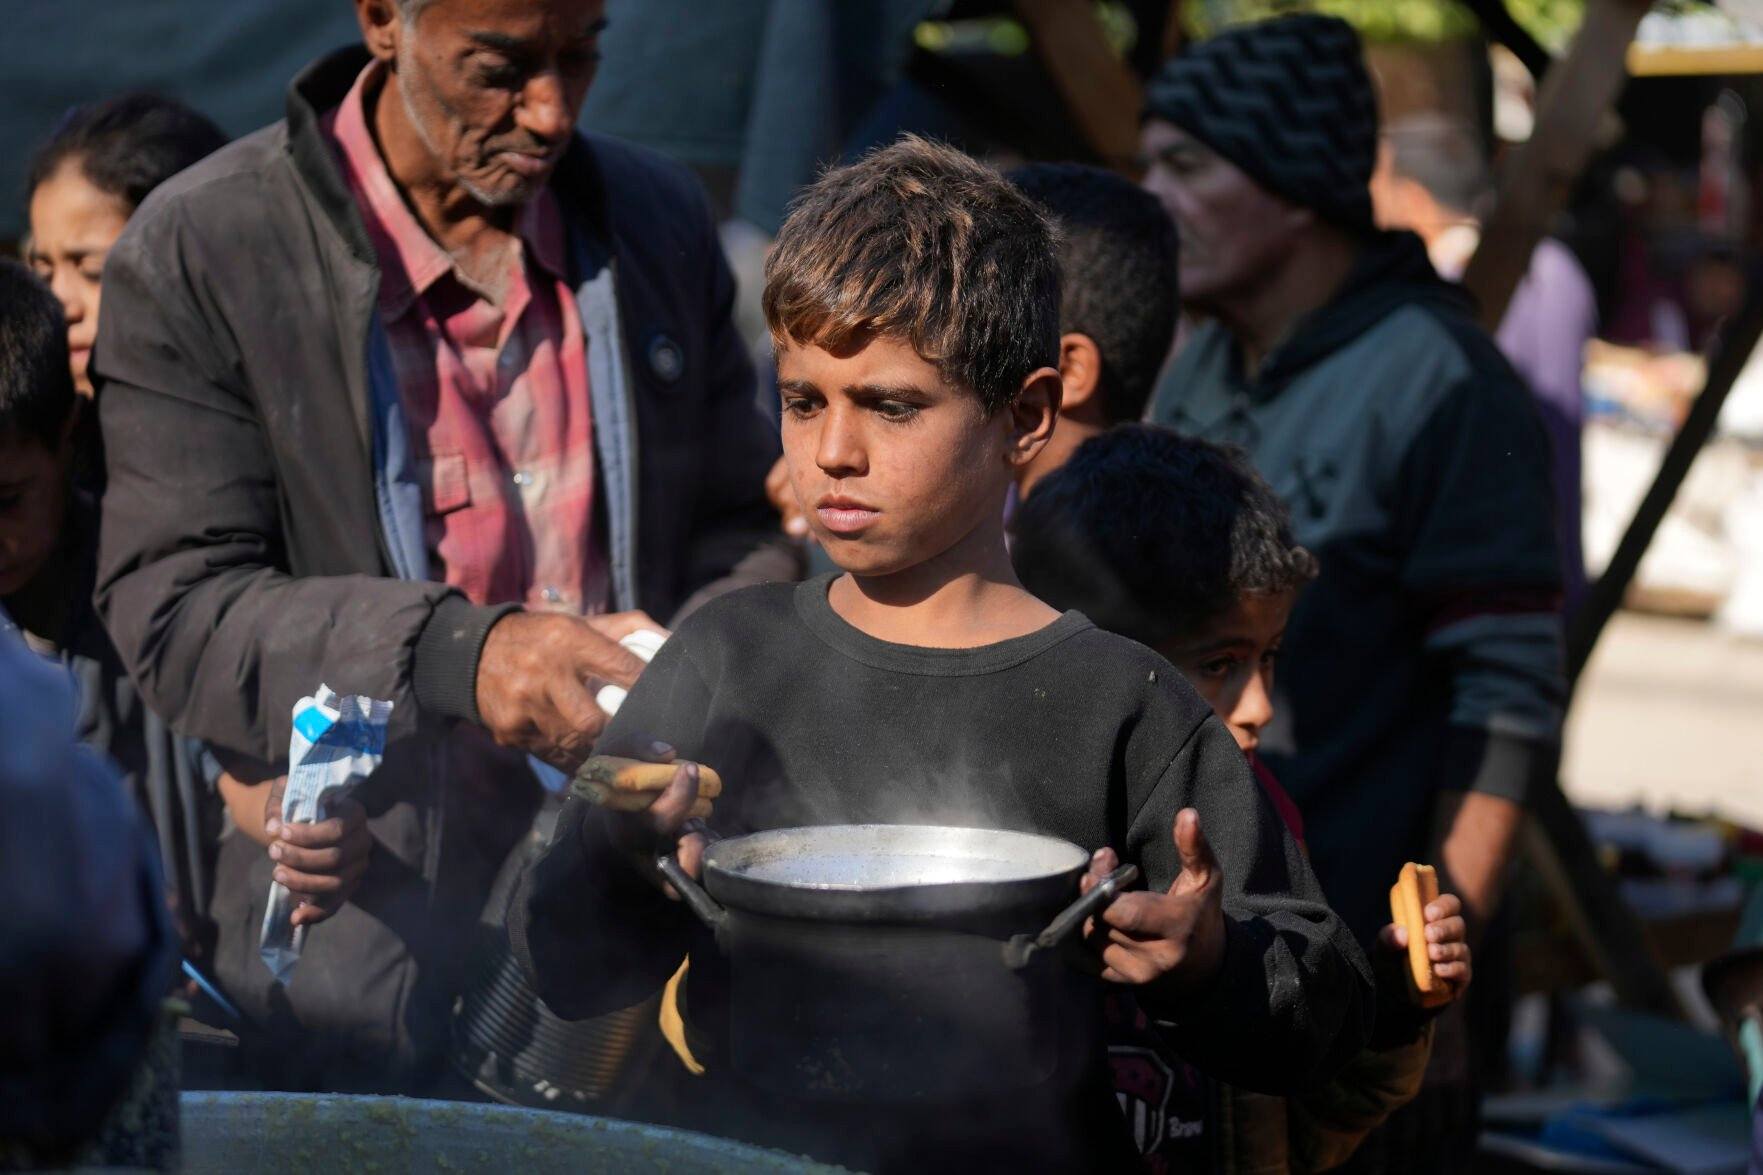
[884,962]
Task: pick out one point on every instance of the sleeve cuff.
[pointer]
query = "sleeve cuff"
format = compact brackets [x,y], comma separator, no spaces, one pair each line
[443,667]
[1495,764]
[1239,969]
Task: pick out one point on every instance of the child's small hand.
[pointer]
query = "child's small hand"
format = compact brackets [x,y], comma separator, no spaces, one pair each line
[645,822]
[1447,943]
[321,862]
[1175,937]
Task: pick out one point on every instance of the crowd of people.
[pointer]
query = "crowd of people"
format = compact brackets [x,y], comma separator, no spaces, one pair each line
[426,395]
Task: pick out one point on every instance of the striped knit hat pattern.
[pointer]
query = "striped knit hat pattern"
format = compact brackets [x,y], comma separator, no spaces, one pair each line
[1289,102]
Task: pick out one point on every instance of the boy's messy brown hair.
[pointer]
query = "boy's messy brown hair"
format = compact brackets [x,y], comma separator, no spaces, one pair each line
[918,242]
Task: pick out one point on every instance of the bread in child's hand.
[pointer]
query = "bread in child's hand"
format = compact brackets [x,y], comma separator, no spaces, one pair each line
[628,785]
[1416,888]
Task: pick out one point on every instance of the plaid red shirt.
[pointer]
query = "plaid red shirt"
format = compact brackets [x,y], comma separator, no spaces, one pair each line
[496,396]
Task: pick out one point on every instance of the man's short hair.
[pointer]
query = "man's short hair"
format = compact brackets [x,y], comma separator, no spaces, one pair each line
[1444,156]
[128,145]
[1118,279]
[36,385]
[918,242]
[1152,534]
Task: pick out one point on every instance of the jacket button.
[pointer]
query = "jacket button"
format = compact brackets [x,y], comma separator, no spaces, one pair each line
[667,359]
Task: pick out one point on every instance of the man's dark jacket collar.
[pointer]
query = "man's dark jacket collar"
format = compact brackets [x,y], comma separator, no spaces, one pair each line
[1392,271]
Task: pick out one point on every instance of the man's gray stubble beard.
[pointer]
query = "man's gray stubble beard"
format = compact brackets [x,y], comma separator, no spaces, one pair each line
[487,198]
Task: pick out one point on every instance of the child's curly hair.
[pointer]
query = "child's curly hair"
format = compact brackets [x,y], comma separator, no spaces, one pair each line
[1151,534]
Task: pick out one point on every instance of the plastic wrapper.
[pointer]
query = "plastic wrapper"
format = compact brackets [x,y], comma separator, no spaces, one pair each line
[338,741]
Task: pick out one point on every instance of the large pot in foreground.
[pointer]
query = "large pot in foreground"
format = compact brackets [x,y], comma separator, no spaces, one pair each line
[900,963]
[227,1133]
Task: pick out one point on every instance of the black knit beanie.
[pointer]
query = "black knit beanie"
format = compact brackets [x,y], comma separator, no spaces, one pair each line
[1287,100]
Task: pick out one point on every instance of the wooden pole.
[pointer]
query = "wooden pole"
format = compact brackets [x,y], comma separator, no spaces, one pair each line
[1500,27]
[1559,848]
[1564,855]
[1172,31]
[1576,94]
[1099,90]
[1738,339]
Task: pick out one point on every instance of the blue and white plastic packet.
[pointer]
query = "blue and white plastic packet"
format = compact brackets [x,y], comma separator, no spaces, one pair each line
[338,741]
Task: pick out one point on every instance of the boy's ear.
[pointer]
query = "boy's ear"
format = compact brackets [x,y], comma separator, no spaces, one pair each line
[1033,414]
[1080,371]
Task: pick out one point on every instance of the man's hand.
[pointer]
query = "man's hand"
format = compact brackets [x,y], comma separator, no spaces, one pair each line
[321,863]
[1447,939]
[538,674]
[1174,938]
[784,500]
[618,625]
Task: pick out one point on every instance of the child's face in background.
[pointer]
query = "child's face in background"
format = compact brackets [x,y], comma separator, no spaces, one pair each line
[1230,662]
[33,500]
[893,464]
[73,226]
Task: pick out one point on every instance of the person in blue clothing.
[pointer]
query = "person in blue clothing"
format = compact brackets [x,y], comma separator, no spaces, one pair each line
[48,548]
[87,947]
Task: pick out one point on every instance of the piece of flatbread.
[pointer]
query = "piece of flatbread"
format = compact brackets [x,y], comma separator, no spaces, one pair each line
[629,785]
[1415,889]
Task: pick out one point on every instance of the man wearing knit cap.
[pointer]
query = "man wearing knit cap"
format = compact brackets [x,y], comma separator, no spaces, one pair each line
[1421,683]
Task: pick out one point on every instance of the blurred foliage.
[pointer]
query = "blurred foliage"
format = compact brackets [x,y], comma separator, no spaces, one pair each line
[1006,36]
[1551,22]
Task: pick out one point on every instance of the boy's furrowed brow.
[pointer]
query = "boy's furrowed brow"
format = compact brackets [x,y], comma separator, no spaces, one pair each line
[864,391]
[886,391]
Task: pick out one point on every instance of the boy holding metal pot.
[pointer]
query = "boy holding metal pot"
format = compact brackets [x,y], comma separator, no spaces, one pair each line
[913,300]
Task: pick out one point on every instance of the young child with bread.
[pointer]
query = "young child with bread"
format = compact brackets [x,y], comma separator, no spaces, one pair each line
[913,300]
[1179,544]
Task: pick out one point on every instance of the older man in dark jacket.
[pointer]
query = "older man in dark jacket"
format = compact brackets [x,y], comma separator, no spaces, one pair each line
[403,396]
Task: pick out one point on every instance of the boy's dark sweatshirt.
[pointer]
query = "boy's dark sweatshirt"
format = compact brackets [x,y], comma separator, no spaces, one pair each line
[1069,731]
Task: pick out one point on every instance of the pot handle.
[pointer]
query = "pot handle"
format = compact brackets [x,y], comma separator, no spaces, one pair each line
[693,894]
[1020,949]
